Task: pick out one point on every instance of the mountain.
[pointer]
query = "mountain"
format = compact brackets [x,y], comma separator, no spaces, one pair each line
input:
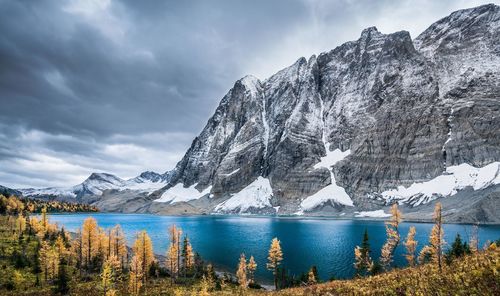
[377,120]
[347,133]
[8,191]
[96,184]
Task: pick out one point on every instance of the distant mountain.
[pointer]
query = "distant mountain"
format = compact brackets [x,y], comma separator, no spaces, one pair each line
[378,120]
[97,183]
[8,191]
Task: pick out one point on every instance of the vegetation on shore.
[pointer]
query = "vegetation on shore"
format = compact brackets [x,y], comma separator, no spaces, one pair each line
[13,205]
[38,258]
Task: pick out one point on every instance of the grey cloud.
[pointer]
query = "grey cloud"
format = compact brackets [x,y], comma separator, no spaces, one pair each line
[124,86]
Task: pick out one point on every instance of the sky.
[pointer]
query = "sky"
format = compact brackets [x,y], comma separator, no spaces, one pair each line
[124,86]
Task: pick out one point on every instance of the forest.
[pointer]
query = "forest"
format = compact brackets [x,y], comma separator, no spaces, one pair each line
[39,258]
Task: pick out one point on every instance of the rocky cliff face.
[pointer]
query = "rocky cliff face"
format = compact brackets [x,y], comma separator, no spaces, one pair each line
[400,111]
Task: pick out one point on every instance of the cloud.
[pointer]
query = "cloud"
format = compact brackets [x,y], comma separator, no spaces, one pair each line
[124,86]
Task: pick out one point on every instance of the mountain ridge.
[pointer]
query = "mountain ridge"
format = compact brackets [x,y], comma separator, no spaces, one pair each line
[383,114]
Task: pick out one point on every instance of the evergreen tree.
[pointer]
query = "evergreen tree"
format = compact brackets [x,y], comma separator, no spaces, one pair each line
[274,259]
[458,249]
[363,262]
[62,282]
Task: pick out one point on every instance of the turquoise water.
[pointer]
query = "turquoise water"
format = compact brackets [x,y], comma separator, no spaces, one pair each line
[328,244]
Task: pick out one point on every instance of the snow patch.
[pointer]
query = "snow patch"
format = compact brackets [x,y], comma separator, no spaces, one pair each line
[257,195]
[373,214]
[179,193]
[332,192]
[455,179]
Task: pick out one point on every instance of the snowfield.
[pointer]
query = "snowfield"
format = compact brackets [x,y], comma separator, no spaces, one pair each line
[372,214]
[456,178]
[179,193]
[332,192]
[257,195]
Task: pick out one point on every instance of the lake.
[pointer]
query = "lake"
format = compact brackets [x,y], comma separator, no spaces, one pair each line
[326,243]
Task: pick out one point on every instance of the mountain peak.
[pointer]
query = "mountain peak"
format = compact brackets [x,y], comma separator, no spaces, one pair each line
[370,31]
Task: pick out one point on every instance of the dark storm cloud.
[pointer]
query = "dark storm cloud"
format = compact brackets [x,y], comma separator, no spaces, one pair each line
[124,86]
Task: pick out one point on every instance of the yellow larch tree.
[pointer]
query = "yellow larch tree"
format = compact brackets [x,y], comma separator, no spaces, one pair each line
[135,276]
[411,246]
[143,250]
[119,245]
[274,258]
[393,237]
[241,272]
[251,267]
[172,263]
[107,277]
[311,277]
[174,250]
[90,241]
[20,224]
[434,250]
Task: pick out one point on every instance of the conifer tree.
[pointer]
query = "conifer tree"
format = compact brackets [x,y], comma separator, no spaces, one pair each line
[474,239]
[393,237]
[434,250]
[274,259]
[119,245]
[187,255]
[90,241]
[172,263]
[241,273]
[174,251]
[107,277]
[251,267]
[363,262]
[143,250]
[21,225]
[135,276]
[311,277]
[411,246]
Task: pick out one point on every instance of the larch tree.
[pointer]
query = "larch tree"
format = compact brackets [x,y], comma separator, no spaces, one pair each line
[274,258]
[241,272]
[434,250]
[119,245]
[474,239]
[107,278]
[174,251]
[172,263]
[311,277]
[393,237]
[251,267]
[411,246]
[90,241]
[43,257]
[135,276]
[143,250]
[20,224]
[363,261]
